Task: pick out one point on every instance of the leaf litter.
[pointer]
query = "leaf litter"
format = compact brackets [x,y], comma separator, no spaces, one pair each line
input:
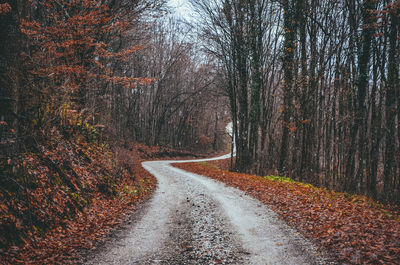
[353,228]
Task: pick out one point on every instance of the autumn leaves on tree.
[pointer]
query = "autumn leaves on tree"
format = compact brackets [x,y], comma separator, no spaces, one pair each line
[71,51]
[311,87]
[60,67]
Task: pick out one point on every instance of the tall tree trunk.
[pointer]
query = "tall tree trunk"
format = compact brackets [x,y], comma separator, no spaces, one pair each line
[306,103]
[392,91]
[359,127]
[256,82]
[363,87]
[242,160]
[288,62]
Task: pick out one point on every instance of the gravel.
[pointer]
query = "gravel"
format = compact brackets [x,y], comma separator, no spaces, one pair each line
[192,219]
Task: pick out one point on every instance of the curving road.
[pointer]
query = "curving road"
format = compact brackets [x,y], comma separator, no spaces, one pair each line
[192,219]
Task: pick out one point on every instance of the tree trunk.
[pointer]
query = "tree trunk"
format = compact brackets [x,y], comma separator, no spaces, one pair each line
[288,61]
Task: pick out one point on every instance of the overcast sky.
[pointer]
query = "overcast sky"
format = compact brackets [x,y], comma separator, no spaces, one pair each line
[182,9]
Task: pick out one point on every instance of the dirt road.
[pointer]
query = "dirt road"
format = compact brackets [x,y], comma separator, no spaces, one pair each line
[195,220]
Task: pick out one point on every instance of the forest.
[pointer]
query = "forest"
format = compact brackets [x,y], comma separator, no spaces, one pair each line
[114,64]
[79,82]
[311,87]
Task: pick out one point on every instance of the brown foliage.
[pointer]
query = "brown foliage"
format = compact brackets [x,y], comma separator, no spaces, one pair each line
[78,193]
[355,229]
[5,8]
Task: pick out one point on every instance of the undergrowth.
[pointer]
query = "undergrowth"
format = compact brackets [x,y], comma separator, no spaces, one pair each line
[65,192]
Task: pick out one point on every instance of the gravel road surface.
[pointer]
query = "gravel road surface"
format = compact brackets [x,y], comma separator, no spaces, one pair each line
[192,219]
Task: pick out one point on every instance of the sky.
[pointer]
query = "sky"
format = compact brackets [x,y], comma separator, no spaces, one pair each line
[182,9]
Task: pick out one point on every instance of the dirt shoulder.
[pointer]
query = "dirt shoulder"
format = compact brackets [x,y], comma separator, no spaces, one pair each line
[352,228]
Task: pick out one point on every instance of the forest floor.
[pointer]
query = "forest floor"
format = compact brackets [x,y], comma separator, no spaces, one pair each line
[67,197]
[121,217]
[353,228]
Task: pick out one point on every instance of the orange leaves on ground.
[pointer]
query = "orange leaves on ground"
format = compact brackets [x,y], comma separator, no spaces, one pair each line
[356,230]
[60,232]
[69,232]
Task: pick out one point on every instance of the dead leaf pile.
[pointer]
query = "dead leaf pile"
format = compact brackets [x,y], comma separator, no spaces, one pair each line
[355,229]
[65,198]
